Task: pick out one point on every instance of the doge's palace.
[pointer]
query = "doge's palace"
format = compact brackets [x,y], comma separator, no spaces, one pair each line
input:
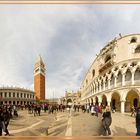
[114,77]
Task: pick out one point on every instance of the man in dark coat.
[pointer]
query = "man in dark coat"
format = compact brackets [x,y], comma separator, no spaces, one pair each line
[6,116]
[138,122]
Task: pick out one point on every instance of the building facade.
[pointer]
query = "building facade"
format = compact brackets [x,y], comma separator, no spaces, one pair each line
[39,79]
[70,99]
[16,96]
[114,77]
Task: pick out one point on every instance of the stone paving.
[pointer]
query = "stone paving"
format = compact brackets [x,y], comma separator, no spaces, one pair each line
[123,125]
[28,125]
[84,124]
[81,124]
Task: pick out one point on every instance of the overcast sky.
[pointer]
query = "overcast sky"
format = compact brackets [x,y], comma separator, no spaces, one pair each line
[68,37]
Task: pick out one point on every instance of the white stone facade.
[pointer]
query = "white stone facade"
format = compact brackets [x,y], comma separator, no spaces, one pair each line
[15,95]
[114,77]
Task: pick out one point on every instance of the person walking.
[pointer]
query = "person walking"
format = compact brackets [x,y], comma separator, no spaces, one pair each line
[138,121]
[106,121]
[6,116]
[97,110]
[93,110]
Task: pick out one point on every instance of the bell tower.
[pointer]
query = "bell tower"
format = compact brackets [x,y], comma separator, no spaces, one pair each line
[39,79]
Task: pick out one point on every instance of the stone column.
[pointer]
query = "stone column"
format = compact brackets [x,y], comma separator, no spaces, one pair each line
[93,89]
[108,83]
[122,106]
[108,103]
[123,79]
[115,82]
[104,85]
[133,82]
[100,86]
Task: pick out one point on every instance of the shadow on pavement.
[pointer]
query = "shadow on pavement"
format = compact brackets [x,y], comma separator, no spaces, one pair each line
[58,131]
[122,132]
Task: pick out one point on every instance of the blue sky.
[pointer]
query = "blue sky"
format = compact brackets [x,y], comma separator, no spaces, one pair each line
[68,37]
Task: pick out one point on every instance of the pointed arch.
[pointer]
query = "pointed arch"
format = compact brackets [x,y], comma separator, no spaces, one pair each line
[132,99]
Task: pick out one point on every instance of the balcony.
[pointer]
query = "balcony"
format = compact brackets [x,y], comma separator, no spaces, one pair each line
[105,66]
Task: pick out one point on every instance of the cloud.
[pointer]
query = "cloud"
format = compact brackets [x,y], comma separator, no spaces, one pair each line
[67,36]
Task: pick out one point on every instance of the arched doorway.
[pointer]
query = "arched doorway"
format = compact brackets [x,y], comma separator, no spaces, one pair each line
[104,100]
[69,102]
[115,101]
[132,99]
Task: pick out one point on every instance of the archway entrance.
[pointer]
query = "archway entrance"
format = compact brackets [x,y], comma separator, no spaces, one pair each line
[69,102]
[115,101]
[104,100]
[132,99]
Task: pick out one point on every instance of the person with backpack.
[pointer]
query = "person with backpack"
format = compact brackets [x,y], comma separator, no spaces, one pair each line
[106,121]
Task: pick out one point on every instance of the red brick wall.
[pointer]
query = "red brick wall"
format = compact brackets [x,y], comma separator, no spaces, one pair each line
[39,86]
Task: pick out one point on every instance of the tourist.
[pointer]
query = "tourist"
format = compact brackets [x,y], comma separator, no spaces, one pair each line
[93,110]
[88,108]
[138,122]
[6,116]
[97,110]
[106,121]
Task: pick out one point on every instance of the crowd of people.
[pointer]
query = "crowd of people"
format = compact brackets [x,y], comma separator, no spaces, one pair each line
[8,112]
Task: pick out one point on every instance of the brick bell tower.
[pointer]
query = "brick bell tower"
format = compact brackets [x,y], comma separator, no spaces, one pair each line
[39,79]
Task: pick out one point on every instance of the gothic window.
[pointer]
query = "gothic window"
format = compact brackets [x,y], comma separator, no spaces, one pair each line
[98,87]
[128,75]
[119,80]
[102,84]
[112,80]
[137,74]
[137,50]
[106,83]
[108,57]
[93,73]
[133,40]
